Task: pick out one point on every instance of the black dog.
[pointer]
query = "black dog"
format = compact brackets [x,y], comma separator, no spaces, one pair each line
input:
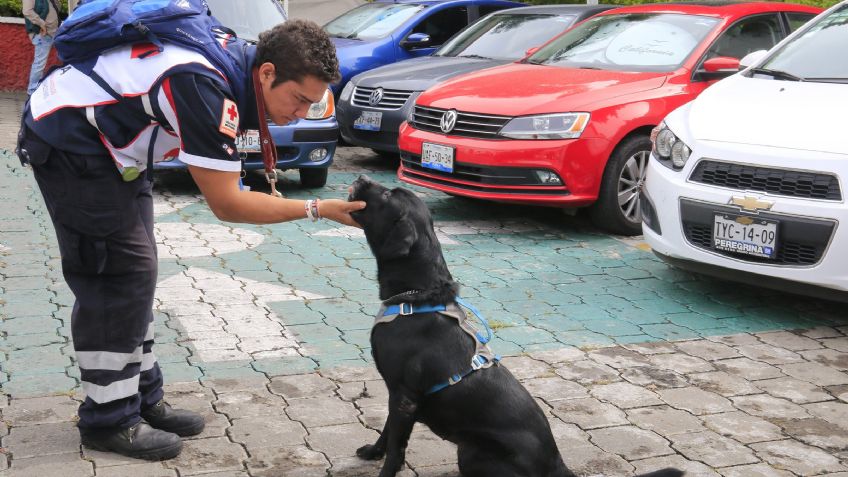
[497,426]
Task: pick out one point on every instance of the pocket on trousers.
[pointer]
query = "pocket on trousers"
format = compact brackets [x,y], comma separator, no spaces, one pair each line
[83,239]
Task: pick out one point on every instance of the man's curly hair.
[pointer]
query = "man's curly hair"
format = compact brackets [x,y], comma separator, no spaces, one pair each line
[298,48]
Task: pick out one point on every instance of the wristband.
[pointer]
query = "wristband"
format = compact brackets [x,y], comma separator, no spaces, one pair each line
[308,207]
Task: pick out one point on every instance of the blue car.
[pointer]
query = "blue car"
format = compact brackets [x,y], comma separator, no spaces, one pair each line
[307,145]
[386,31]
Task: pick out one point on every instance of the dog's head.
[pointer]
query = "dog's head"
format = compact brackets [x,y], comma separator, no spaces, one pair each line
[393,220]
[399,230]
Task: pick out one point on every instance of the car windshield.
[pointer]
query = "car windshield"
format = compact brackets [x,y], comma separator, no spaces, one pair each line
[818,53]
[248,18]
[372,20]
[628,42]
[506,36]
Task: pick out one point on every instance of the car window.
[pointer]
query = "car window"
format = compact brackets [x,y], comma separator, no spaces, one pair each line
[797,19]
[487,9]
[372,20]
[443,24]
[818,53]
[629,42]
[760,32]
[248,18]
[506,35]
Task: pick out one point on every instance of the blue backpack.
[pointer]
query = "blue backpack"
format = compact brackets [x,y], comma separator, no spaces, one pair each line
[99,25]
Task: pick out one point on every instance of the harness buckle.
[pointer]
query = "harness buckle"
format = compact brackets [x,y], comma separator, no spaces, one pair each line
[407,310]
[478,361]
[454,379]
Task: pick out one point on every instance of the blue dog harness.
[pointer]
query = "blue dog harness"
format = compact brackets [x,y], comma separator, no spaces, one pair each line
[483,356]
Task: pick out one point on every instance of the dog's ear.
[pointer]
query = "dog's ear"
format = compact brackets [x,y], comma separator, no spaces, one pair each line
[399,239]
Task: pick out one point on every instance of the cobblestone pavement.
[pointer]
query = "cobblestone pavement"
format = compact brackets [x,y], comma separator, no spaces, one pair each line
[264,329]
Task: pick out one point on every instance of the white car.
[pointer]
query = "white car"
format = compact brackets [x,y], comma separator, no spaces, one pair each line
[748,181]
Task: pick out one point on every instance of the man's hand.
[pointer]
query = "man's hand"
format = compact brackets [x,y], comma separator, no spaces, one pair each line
[43,30]
[339,210]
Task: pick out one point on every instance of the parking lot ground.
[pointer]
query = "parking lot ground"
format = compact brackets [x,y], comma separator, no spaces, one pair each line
[264,329]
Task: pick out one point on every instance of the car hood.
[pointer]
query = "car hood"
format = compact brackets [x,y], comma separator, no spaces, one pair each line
[419,74]
[521,89]
[767,112]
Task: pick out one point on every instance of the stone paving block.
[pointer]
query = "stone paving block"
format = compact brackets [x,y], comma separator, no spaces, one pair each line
[43,440]
[828,357]
[664,420]
[374,417]
[769,407]
[707,350]
[356,467]
[815,373]
[681,363]
[365,393]
[723,383]
[789,340]
[303,386]
[712,449]
[625,395]
[767,353]
[630,442]
[341,440]
[147,469]
[259,432]
[59,465]
[737,339]
[44,410]
[797,457]
[691,467]
[449,470]
[205,455]
[755,470]
[653,378]
[285,366]
[619,358]
[829,436]
[589,413]
[553,389]
[695,400]
[591,460]
[796,390]
[588,372]
[523,367]
[742,427]
[748,369]
[669,332]
[567,436]
[322,411]
[428,449]
[250,383]
[835,412]
[348,374]
[239,404]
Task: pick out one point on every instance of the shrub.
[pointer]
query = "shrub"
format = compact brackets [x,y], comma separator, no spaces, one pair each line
[12,8]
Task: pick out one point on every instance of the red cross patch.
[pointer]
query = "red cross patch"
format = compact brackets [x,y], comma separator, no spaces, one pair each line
[229,119]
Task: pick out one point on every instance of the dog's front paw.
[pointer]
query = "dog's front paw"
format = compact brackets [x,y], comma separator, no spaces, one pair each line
[370,452]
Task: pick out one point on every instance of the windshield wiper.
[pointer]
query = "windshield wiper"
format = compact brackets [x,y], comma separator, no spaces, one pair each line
[777,74]
[478,57]
[828,80]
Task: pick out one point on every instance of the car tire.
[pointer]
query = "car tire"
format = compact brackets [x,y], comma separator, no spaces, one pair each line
[313,177]
[617,209]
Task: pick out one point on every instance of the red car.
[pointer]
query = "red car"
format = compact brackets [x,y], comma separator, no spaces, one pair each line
[569,125]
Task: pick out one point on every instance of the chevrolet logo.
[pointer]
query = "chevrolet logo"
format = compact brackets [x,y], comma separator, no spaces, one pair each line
[751,203]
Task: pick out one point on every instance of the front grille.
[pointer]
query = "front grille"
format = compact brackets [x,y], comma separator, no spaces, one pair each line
[787,182]
[801,241]
[484,126]
[392,98]
[480,177]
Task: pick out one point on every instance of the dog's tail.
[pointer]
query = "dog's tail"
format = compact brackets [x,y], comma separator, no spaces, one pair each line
[667,472]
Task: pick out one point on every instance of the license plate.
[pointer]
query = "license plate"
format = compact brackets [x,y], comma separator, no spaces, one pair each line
[745,235]
[369,121]
[248,141]
[436,156]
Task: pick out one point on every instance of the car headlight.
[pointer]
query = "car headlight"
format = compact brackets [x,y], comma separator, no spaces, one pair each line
[322,109]
[346,91]
[546,126]
[669,150]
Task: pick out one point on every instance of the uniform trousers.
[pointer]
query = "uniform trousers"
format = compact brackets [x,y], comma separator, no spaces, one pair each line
[104,227]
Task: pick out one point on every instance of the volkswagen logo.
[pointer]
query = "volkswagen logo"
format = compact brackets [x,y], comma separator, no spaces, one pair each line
[448,121]
[376,97]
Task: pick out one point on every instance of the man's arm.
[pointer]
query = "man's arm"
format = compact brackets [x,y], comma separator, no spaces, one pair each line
[228,203]
[28,8]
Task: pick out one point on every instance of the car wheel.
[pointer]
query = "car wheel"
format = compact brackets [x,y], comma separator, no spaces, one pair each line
[312,177]
[617,209]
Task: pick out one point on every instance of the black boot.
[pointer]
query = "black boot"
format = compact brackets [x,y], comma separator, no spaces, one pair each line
[139,441]
[182,423]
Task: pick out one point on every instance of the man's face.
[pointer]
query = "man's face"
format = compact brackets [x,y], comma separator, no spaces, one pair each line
[289,100]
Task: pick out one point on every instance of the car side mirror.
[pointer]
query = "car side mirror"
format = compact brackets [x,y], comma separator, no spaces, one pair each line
[416,40]
[752,58]
[718,67]
[530,51]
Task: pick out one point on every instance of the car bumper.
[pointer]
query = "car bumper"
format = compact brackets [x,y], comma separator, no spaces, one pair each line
[504,170]
[383,140]
[295,145]
[811,246]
